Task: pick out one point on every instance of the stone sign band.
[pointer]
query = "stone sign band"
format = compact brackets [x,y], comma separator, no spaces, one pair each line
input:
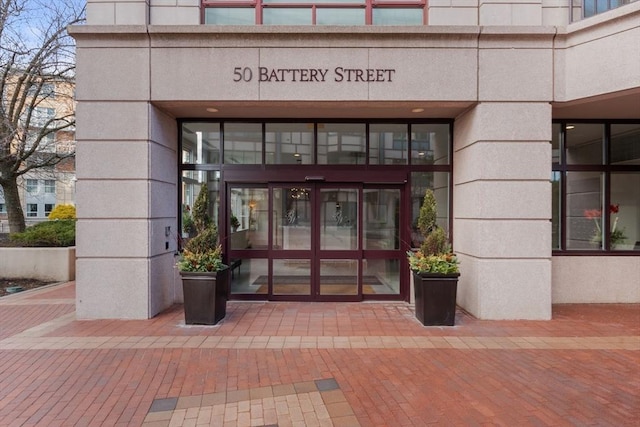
[305,75]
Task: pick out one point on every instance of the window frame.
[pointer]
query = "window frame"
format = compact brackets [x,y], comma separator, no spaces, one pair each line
[562,167]
[368,5]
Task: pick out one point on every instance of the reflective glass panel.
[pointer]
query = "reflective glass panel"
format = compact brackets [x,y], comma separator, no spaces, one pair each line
[200,143]
[338,277]
[381,224]
[388,144]
[287,16]
[430,144]
[342,143]
[230,16]
[625,211]
[191,185]
[291,277]
[242,143]
[625,144]
[555,143]
[339,219]
[439,183]
[584,143]
[292,218]
[249,207]
[340,16]
[584,210]
[380,276]
[404,16]
[249,276]
[555,210]
[289,143]
[316,1]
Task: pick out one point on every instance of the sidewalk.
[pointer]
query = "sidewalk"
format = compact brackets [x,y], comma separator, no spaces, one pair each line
[315,364]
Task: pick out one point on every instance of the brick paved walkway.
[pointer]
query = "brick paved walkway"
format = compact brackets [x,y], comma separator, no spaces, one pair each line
[315,364]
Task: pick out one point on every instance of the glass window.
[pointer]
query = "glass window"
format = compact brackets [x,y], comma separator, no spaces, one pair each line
[32,210]
[191,183]
[404,16]
[584,210]
[230,16]
[625,144]
[388,144]
[200,143]
[342,143]
[49,186]
[381,225]
[556,204]
[291,277]
[250,207]
[555,143]
[48,207]
[380,276]
[289,143]
[249,276]
[439,183]
[340,16]
[584,142]
[32,185]
[625,211]
[3,208]
[430,144]
[292,218]
[243,143]
[287,16]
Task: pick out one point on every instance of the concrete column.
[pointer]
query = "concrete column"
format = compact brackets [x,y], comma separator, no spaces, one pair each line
[502,209]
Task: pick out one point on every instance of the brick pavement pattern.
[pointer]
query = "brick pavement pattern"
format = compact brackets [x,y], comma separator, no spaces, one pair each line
[315,364]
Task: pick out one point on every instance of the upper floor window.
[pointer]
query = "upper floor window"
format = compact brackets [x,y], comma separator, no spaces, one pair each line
[588,8]
[314,12]
[32,185]
[49,186]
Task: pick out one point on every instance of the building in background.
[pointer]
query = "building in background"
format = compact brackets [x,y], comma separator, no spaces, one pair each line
[45,187]
[318,126]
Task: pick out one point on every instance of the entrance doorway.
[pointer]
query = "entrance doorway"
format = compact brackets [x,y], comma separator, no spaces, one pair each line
[315,241]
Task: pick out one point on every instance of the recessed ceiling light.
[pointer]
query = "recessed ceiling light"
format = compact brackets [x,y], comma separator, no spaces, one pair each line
[569,127]
[212,110]
[417,110]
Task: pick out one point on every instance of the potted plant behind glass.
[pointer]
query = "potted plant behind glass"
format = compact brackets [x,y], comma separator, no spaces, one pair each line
[435,270]
[205,279]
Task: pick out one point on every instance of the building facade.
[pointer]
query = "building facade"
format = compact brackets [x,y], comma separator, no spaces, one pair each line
[317,127]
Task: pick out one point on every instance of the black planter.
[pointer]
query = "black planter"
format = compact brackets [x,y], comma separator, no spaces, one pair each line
[205,296]
[435,298]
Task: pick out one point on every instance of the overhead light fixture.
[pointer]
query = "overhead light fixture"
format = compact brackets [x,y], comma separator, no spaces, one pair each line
[296,154]
[417,110]
[421,153]
[212,110]
[569,127]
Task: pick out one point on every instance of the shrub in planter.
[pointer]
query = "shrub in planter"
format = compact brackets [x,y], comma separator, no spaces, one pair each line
[59,233]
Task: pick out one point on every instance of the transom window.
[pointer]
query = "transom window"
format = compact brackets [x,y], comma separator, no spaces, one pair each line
[596,186]
[314,12]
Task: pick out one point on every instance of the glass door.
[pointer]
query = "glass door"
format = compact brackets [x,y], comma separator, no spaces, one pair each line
[315,241]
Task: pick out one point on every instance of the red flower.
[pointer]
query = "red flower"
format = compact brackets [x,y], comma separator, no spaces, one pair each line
[593,213]
[614,208]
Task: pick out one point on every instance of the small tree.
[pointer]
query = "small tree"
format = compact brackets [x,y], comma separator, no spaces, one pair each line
[37,63]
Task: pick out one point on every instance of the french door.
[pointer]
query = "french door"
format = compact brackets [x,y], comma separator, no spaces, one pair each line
[318,241]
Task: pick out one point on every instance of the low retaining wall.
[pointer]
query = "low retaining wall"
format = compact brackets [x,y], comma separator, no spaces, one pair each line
[47,264]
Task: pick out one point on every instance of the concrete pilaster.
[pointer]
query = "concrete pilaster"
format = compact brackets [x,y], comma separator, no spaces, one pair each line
[502,210]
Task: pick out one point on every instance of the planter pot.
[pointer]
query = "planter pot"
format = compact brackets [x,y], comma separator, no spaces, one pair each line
[205,296]
[435,298]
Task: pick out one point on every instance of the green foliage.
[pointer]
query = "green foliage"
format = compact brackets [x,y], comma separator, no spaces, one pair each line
[201,218]
[428,212]
[59,233]
[187,221]
[201,262]
[206,241]
[434,255]
[235,223]
[63,212]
